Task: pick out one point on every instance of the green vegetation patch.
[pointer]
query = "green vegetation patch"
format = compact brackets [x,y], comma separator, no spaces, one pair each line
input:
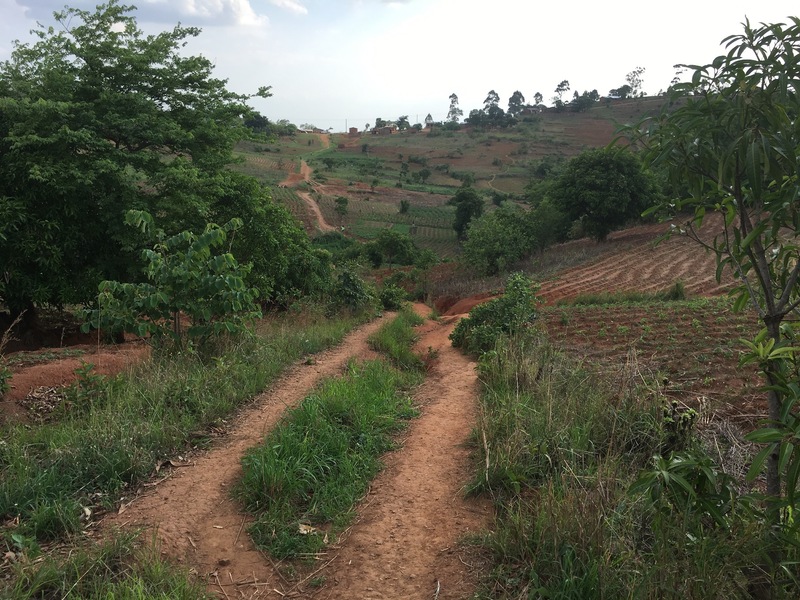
[675,293]
[319,461]
[396,338]
[303,481]
[110,432]
[602,490]
[116,569]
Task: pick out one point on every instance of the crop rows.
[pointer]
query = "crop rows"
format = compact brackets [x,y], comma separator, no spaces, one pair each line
[690,348]
[288,198]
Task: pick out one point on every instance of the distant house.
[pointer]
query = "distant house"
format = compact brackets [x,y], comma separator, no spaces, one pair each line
[531,110]
[385,130]
[353,132]
[428,121]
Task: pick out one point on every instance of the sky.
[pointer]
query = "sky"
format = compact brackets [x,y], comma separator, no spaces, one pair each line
[344,63]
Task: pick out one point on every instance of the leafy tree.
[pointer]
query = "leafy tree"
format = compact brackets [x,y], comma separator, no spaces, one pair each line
[515,103]
[402,122]
[620,92]
[497,240]
[477,118]
[547,225]
[537,98]
[603,188]
[454,113]
[561,88]
[732,135]
[423,174]
[405,205]
[285,265]
[97,118]
[634,79]
[260,125]
[380,123]
[403,170]
[510,314]
[350,291]
[186,275]
[584,101]
[492,100]
[469,205]
[341,207]
[396,247]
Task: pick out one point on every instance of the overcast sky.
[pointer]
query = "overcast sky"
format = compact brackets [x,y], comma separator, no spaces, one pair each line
[345,62]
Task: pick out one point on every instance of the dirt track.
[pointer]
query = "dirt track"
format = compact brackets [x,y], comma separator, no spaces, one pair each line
[404,543]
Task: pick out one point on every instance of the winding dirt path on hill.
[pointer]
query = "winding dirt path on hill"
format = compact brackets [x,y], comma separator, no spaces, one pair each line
[404,543]
[313,207]
[305,175]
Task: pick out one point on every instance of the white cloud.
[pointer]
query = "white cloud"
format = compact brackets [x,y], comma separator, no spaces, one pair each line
[207,12]
[291,6]
[189,12]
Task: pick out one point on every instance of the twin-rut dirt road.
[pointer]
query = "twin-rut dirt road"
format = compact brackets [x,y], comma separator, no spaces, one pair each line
[405,540]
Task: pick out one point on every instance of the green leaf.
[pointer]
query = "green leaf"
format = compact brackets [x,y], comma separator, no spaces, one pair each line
[767,435]
[758,463]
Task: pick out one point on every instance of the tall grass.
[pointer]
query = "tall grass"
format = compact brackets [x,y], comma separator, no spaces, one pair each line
[594,496]
[111,432]
[675,293]
[395,339]
[118,569]
[303,482]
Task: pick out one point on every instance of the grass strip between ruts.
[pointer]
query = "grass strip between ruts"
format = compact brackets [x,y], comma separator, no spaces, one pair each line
[303,482]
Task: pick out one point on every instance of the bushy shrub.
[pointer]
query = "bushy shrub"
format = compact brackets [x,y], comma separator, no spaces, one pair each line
[392,297]
[188,275]
[507,315]
[350,291]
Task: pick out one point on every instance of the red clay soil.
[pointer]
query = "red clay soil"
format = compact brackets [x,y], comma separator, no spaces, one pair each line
[641,264]
[404,543]
[107,360]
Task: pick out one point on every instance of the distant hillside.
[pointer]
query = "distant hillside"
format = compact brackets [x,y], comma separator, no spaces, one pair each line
[424,168]
[498,159]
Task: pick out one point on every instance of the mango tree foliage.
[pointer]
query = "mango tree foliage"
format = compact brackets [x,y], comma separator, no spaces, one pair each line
[604,189]
[497,240]
[732,135]
[97,118]
[284,264]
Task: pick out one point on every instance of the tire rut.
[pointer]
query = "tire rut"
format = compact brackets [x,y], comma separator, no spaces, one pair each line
[405,540]
[190,511]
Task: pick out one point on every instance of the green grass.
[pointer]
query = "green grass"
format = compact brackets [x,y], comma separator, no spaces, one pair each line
[303,482]
[395,339]
[112,431]
[565,447]
[673,294]
[117,569]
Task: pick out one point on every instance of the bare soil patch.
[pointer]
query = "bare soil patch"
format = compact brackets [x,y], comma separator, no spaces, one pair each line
[107,360]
